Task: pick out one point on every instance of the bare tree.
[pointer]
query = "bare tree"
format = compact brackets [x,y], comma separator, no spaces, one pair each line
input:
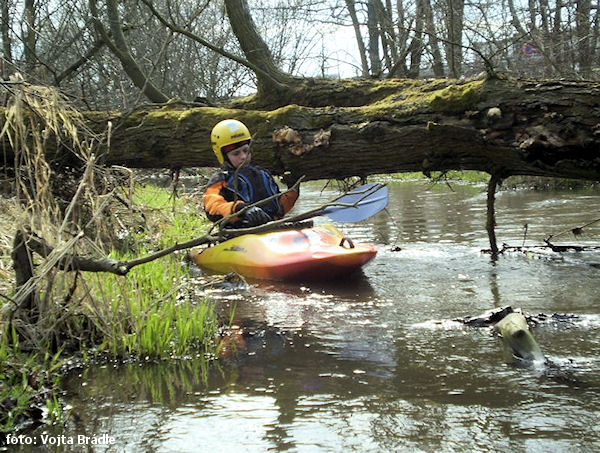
[29,31]
[362,51]
[432,38]
[119,46]
[454,41]
[270,78]
[584,29]
[373,29]
[415,49]
[5,24]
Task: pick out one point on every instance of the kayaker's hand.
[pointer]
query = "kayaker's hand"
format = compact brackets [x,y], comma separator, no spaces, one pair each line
[255,216]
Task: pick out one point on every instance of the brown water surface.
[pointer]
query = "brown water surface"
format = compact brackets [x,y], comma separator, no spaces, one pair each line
[356,365]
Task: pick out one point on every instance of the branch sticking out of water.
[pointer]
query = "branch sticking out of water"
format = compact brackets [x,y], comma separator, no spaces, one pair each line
[493,183]
[575,231]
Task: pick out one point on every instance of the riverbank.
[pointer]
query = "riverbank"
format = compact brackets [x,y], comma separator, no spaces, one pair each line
[153,313]
[511,183]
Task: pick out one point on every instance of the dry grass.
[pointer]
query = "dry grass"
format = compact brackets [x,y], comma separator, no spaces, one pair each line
[80,212]
[36,119]
[8,220]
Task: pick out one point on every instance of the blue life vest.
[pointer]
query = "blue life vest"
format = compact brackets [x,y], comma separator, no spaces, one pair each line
[255,184]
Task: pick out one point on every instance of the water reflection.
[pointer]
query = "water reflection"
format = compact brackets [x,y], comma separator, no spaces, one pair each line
[348,365]
[277,378]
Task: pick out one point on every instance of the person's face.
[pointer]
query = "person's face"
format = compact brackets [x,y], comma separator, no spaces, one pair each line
[239,155]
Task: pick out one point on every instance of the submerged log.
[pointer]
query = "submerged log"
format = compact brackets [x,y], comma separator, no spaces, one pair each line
[518,340]
[358,128]
[513,327]
[489,318]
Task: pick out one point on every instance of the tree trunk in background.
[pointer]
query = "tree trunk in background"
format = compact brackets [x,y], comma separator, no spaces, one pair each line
[434,44]
[118,45]
[29,36]
[256,50]
[362,51]
[388,33]
[415,49]
[454,22]
[402,33]
[372,26]
[584,57]
[7,60]
[594,50]
[557,37]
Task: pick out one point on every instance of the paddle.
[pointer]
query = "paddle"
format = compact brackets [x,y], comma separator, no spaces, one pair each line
[358,204]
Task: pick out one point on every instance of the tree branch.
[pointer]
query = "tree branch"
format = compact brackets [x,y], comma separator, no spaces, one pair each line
[121,50]
[72,262]
[175,29]
[99,44]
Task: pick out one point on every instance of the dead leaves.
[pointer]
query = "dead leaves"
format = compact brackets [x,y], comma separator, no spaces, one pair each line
[292,138]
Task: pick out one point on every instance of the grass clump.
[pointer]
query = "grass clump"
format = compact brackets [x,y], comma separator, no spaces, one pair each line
[27,383]
[154,311]
[170,219]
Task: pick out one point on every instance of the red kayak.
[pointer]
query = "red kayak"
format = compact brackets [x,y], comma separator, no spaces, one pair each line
[317,253]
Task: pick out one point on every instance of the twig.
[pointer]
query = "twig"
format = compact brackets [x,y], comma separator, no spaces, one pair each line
[554,248]
[575,231]
[8,298]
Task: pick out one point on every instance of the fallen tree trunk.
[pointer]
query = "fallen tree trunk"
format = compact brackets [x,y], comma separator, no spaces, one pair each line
[359,128]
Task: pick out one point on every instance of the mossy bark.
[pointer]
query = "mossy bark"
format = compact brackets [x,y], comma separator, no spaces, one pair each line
[337,129]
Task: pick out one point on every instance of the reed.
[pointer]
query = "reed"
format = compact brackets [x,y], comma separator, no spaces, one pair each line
[152,313]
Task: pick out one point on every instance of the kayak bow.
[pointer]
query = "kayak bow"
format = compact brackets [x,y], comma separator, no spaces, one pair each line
[318,253]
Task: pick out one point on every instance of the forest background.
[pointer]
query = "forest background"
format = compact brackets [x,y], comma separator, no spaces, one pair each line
[105,53]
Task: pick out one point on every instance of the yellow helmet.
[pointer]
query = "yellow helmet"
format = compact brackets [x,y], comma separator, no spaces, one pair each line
[225,133]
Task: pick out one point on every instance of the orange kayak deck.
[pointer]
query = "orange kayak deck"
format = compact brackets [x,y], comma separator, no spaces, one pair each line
[318,253]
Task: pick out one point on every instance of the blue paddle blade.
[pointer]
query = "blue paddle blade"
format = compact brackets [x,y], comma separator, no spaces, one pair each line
[365,201]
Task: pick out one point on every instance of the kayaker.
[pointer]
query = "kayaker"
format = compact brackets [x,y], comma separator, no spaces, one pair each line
[224,195]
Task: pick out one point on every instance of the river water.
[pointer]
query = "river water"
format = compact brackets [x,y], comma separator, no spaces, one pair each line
[359,364]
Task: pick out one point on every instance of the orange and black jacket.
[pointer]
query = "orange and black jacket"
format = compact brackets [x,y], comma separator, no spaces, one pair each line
[225,196]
